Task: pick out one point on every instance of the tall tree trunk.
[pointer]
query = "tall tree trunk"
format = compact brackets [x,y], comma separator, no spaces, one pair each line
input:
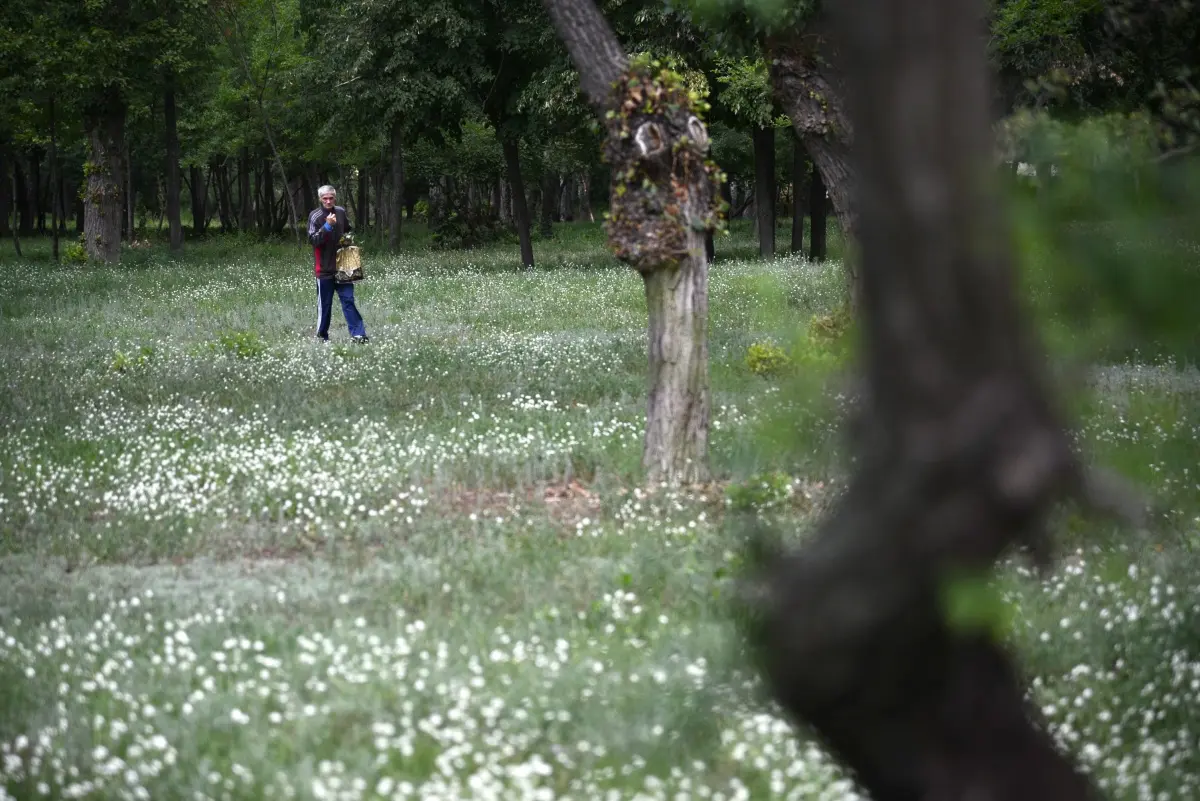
[799,160]
[547,206]
[364,198]
[396,200]
[764,189]
[55,186]
[24,199]
[266,220]
[130,197]
[35,188]
[810,87]
[6,189]
[174,215]
[245,192]
[818,204]
[961,452]
[105,121]
[664,197]
[512,160]
[199,212]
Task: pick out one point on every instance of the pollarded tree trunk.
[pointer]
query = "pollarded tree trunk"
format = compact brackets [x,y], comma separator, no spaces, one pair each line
[960,456]
[664,198]
[764,189]
[173,212]
[106,173]
[512,161]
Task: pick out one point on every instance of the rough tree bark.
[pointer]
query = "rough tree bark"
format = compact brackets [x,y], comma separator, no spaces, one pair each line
[664,198]
[960,453]
[105,170]
[512,161]
[174,221]
[764,190]
[811,90]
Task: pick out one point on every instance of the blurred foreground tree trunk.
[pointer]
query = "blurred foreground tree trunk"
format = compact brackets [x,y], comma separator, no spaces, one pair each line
[664,200]
[960,451]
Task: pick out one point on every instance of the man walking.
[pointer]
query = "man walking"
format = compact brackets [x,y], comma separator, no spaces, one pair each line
[326,225]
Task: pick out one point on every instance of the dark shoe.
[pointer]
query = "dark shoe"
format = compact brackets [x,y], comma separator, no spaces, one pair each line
[361,340]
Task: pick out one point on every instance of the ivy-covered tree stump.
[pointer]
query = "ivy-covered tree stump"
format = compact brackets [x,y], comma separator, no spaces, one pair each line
[665,198]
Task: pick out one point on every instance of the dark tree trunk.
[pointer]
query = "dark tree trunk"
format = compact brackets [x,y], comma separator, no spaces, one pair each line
[960,452]
[24,199]
[548,194]
[197,186]
[818,203]
[35,189]
[710,247]
[764,189]
[245,193]
[174,215]
[55,185]
[396,200]
[130,196]
[364,198]
[105,122]
[663,199]
[810,88]
[80,213]
[308,190]
[6,190]
[512,160]
[266,221]
[799,161]
[218,176]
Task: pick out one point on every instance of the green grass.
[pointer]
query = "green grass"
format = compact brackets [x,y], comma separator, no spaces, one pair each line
[236,563]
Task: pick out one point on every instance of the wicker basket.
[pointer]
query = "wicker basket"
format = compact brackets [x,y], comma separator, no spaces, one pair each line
[349,265]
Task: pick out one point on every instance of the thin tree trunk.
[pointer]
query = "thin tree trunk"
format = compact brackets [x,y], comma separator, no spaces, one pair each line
[364,198]
[54,183]
[6,189]
[266,219]
[549,193]
[664,197]
[818,204]
[130,198]
[198,211]
[512,160]
[25,205]
[764,189]
[35,189]
[245,195]
[174,220]
[396,200]
[960,457]
[810,87]
[16,238]
[799,160]
[105,121]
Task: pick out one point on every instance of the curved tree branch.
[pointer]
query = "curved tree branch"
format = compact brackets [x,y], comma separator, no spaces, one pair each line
[592,44]
[961,455]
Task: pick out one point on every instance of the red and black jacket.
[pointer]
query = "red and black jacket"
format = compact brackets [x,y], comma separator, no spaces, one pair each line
[325,242]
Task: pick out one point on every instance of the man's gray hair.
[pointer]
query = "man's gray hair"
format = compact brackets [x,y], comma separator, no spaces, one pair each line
[326,190]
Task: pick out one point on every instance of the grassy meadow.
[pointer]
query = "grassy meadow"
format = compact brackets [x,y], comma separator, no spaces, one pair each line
[237,563]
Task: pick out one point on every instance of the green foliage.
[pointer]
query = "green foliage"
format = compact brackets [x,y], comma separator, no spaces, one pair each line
[242,344]
[972,604]
[765,492]
[463,232]
[766,359]
[1111,238]
[75,252]
[122,361]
